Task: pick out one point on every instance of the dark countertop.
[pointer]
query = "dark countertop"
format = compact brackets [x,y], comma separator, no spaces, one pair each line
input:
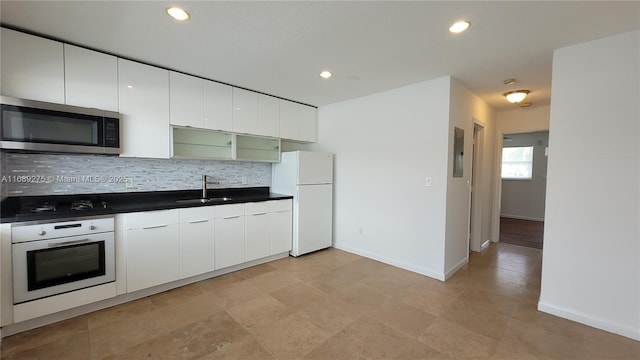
[12,209]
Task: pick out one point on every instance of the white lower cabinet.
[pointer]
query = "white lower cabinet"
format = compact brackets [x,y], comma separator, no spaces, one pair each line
[229,235]
[196,241]
[153,249]
[257,228]
[168,245]
[281,226]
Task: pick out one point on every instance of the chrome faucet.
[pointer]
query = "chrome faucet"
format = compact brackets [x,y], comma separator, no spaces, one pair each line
[204,185]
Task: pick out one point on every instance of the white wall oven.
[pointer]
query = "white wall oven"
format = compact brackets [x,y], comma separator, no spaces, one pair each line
[56,257]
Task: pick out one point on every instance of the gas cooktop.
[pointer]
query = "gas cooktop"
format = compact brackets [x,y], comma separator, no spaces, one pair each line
[35,208]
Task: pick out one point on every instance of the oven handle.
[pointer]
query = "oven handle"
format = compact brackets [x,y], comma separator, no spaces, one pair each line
[67,243]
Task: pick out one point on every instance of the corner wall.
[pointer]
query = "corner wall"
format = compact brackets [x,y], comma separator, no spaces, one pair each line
[591,257]
[465,109]
[385,145]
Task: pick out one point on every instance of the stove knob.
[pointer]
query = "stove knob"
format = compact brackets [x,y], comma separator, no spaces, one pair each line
[42,232]
[92,227]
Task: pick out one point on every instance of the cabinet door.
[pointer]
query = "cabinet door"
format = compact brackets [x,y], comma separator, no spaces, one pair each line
[186,96]
[229,241]
[308,124]
[32,67]
[288,120]
[218,105]
[257,229]
[268,116]
[281,231]
[245,111]
[254,148]
[153,256]
[90,78]
[144,108]
[196,247]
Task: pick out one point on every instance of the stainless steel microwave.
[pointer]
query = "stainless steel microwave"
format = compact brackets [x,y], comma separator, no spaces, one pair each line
[29,125]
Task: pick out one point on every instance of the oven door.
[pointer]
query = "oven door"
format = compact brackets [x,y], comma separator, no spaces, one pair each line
[43,268]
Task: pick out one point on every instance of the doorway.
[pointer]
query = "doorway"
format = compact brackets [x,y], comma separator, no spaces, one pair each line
[523,172]
[476,216]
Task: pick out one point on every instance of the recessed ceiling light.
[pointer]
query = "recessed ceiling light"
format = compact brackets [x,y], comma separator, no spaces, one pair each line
[178,13]
[326,74]
[459,26]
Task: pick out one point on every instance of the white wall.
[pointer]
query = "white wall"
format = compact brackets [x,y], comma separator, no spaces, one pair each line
[466,108]
[591,258]
[524,199]
[521,120]
[385,146]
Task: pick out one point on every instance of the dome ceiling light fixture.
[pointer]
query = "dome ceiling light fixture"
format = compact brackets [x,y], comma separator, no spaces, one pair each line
[516,96]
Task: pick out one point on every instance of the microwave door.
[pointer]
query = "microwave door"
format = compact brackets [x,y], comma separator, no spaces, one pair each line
[49,128]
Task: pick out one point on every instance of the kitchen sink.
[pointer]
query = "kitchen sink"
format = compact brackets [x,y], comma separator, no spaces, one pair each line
[202,201]
[193,201]
[217,199]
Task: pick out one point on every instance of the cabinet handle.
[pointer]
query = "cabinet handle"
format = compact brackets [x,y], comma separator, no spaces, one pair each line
[279,211]
[154,227]
[258,214]
[197,221]
[231,217]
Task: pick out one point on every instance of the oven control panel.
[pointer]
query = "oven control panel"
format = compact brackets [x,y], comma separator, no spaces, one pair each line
[60,228]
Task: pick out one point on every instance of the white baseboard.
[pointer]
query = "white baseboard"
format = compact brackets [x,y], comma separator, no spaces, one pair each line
[589,320]
[422,271]
[485,245]
[519,217]
[457,267]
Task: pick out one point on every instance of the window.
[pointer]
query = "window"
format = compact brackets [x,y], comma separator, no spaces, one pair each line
[517,163]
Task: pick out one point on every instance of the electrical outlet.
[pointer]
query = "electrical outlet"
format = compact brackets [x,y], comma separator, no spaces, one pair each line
[129,183]
[244,180]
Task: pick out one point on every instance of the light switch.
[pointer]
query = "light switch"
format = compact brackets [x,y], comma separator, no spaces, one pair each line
[427,182]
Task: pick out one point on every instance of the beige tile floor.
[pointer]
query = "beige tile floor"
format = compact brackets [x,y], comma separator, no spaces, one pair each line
[335,305]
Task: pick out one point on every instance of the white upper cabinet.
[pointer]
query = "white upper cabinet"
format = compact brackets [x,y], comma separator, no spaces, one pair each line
[268,116]
[298,122]
[288,120]
[186,94]
[245,111]
[32,67]
[218,105]
[91,78]
[144,110]
[308,124]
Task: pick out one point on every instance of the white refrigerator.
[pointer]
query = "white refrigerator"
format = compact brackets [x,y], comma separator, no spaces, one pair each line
[308,176]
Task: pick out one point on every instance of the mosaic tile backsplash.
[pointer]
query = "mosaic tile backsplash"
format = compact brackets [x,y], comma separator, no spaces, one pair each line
[45,174]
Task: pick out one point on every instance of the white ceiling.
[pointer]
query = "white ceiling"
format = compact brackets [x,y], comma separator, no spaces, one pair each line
[280,47]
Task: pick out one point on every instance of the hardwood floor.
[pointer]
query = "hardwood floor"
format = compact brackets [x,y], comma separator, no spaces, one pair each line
[521,232]
[335,305]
